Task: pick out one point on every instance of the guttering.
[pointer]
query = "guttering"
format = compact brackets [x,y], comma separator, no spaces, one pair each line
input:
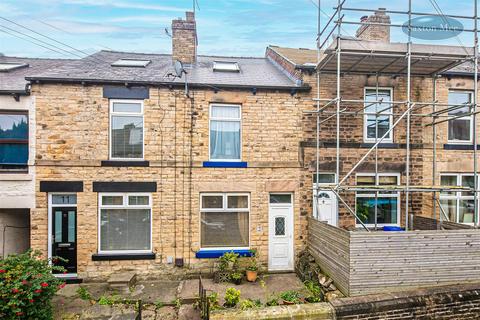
[166,84]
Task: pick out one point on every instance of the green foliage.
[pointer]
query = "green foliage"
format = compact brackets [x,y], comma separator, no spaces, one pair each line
[252,262]
[213,299]
[250,304]
[316,294]
[236,277]
[158,304]
[291,296]
[108,300]
[232,297]
[27,286]
[177,303]
[228,261]
[84,294]
[272,301]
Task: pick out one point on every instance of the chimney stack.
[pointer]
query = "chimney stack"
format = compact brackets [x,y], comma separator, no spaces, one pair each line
[184,39]
[367,31]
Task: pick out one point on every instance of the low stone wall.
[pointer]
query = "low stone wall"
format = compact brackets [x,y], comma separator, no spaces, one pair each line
[439,303]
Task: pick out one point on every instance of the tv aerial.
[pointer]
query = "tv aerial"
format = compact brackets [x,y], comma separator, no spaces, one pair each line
[179,72]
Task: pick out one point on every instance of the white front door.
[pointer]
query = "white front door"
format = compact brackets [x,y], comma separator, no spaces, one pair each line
[280,232]
[327,207]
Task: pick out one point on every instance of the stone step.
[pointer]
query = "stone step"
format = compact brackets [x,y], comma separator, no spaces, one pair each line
[122,280]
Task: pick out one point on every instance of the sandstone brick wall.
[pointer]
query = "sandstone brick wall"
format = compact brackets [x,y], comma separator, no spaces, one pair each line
[184,39]
[72,135]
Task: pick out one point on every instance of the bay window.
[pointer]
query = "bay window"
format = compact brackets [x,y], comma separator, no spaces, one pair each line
[13,139]
[458,206]
[387,202]
[375,126]
[126,129]
[460,128]
[125,221]
[224,220]
[225,126]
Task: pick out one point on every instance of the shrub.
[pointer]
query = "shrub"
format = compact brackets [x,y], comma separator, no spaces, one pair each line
[316,294]
[27,286]
[84,294]
[250,304]
[291,296]
[213,299]
[232,297]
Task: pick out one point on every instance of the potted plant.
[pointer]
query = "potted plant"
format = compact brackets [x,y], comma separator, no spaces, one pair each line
[252,267]
[290,297]
[236,277]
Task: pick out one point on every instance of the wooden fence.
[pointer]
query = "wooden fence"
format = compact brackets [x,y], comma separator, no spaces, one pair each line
[362,262]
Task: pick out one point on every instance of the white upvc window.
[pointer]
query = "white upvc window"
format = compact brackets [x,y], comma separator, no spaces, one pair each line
[458,206]
[388,202]
[460,129]
[225,132]
[126,130]
[125,223]
[375,126]
[224,220]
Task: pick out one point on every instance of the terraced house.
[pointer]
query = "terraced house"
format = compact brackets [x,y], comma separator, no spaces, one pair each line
[143,166]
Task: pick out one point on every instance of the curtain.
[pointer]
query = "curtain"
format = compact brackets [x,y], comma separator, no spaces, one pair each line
[224,140]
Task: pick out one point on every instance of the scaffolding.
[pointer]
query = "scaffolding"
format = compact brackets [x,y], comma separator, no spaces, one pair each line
[345,55]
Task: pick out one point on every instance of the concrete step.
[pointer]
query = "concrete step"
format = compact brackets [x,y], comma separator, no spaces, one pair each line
[122,281]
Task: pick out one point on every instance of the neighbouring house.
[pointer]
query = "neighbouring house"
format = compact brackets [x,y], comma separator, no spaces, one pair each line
[143,166]
[17,150]
[359,127]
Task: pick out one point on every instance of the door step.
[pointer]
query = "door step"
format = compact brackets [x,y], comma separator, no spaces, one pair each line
[122,281]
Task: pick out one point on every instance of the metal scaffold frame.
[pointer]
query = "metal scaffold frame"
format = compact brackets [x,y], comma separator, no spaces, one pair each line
[438,112]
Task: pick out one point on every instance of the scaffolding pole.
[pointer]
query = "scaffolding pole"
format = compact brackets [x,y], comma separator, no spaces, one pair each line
[475,89]
[409,69]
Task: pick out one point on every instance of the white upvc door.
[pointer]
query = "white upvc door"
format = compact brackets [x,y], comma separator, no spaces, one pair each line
[280,234]
[326,209]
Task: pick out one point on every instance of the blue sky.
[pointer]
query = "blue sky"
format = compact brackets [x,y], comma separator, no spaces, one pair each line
[225,27]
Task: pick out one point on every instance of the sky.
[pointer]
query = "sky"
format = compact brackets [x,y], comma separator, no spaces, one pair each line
[224,27]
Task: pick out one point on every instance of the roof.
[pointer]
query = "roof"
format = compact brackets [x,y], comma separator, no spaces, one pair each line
[297,56]
[364,56]
[13,81]
[254,72]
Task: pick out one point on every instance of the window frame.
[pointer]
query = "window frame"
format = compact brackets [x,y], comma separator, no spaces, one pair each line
[24,166]
[124,205]
[111,114]
[388,112]
[458,196]
[224,209]
[395,194]
[469,118]
[211,118]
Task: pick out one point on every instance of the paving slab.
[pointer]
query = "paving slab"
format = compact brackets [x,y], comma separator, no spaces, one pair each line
[262,289]
[188,312]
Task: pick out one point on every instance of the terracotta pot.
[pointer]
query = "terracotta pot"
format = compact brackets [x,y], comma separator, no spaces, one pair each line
[288,302]
[251,275]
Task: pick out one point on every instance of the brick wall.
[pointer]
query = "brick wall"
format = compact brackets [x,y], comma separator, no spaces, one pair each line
[184,39]
[72,135]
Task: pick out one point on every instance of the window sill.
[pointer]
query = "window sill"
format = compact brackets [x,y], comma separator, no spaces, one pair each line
[382,145]
[225,164]
[15,176]
[455,146]
[213,254]
[122,256]
[125,163]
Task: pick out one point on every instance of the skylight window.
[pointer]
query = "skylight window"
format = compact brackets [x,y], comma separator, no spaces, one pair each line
[131,63]
[9,66]
[226,66]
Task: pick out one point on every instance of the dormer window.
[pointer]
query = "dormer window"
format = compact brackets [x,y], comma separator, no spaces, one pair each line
[230,66]
[9,66]
[133,63]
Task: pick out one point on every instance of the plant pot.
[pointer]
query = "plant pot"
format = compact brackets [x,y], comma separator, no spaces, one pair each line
[251,275]
[237,281]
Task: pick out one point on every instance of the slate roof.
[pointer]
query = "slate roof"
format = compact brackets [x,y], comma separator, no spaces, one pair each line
[14,81]
[254,72]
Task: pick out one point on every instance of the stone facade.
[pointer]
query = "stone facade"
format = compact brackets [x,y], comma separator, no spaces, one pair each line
[72,137]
